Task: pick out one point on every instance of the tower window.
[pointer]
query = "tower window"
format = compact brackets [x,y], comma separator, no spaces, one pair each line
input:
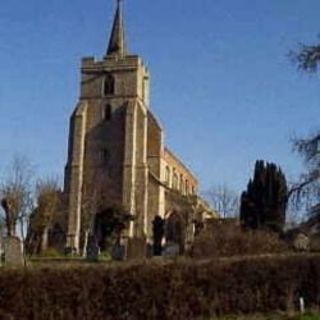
[104,156]
[107,112]
[108,85]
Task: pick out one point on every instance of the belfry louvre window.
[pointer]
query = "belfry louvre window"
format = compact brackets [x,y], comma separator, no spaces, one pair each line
[108,85]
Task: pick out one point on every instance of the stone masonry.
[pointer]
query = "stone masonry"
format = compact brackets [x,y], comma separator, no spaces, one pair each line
[116,142]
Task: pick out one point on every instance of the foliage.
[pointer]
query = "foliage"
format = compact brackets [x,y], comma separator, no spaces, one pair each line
[113,219]
[47,193]
[165,291]
[224,200]
[110,222]
[228,241]
[306,193]
[48,202]
[158,234]
[51,253]
[16,194]
[307,57]
[263,204]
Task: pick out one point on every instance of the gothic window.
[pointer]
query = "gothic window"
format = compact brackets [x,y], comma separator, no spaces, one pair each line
[108,85]
[182,185]
[175,181]
[107,112]
[187,187]
[167,175]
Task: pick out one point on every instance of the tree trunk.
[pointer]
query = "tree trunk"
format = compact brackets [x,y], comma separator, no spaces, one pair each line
[44,240]
[85,243]
[23,242]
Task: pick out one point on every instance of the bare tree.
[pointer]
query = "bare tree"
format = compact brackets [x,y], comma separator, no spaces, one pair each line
[91,201]
[47,195]
[306,192]
[98,195]
[16,195]
[307,57]
[224,200]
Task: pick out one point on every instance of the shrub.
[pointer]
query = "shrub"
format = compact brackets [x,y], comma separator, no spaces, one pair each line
[232,241]
[183,290]
[51,253]
[263,204]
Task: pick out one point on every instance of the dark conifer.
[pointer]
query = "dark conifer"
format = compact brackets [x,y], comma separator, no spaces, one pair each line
[263,204]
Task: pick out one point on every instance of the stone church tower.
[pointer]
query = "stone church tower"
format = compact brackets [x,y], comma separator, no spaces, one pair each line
[116,150]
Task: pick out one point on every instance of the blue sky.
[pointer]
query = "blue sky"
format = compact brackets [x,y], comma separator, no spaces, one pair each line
[222,84]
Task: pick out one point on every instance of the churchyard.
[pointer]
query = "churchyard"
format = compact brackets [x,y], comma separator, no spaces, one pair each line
[130,235]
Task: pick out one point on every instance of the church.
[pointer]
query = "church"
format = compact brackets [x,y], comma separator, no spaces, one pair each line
[116,151]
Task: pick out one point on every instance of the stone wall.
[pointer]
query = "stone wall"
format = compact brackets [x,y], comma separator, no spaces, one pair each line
[177,175]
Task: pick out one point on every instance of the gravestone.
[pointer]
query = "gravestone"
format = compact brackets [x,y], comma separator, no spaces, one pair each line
[92,249]
[136,248]
[13,252]
[118,251]
[171,250]
[301,242]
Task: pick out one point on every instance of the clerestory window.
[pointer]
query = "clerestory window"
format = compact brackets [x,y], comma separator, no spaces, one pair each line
[167,175]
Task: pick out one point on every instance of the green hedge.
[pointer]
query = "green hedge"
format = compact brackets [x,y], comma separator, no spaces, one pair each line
[181,290]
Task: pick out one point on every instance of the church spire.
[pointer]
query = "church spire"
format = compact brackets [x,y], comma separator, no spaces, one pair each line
[117,42]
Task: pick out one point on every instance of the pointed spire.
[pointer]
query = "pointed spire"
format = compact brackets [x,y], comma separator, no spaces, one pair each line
[117,42]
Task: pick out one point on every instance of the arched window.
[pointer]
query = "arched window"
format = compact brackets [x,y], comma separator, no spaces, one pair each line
[107,112]
[175,181]
[108,85]
[167,175]
[182,185]
[187,187]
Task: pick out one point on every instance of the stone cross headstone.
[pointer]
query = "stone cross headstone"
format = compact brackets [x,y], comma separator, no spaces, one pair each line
[13,252]
[92,249]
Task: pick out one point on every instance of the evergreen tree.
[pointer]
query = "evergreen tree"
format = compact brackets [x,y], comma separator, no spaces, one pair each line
[263,204]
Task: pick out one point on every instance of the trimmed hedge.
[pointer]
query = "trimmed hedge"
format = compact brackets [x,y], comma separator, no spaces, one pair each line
[178,290]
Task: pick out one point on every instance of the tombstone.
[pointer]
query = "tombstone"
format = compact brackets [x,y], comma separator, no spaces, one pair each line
[13,252]
[171,250]
[149,250]
[92,249]
[136,248]
[301,242]
[118,251]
